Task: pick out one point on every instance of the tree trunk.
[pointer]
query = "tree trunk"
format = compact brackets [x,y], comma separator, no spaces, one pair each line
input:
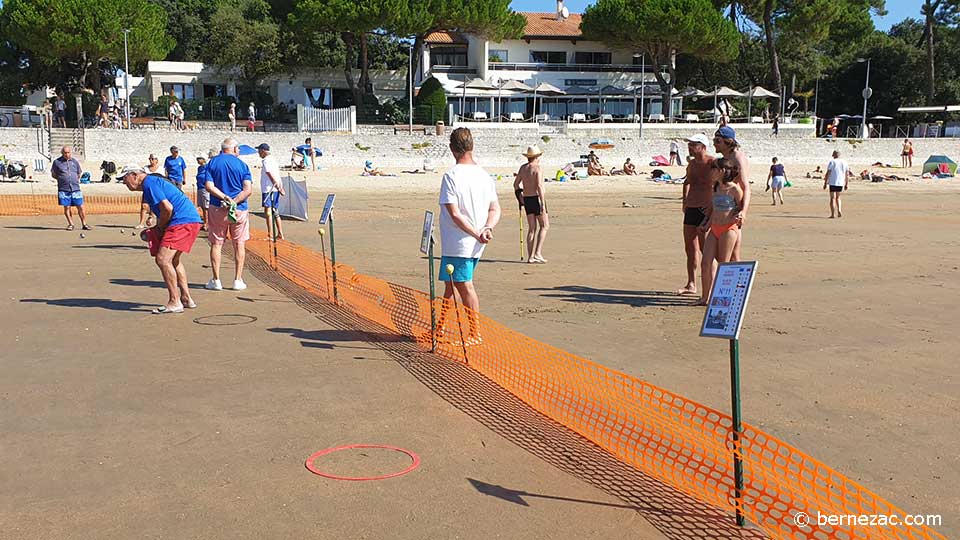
[348,60]
[666,88]
[770,42]
[365,86]
[930,8]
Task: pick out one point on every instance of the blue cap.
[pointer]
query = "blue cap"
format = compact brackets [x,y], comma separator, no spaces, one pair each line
[264,146]
[727,132]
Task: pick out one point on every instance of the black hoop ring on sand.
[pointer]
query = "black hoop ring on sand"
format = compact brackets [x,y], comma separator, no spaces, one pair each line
[310,466]
[227,319]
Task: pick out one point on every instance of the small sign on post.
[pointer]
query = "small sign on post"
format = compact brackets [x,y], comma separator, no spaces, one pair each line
[723,319]
[327,208]
[426,247]
[728,300]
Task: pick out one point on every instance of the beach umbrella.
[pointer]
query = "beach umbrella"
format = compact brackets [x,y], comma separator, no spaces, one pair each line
[759,92]
[475,84]
[246,150]
[881,117]
[723,92]
[545,89]
[511,85]
[692,92]
[601,144]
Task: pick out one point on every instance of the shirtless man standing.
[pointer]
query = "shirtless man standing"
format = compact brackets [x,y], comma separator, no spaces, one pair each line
[725,141]
[529,179]
[697,196]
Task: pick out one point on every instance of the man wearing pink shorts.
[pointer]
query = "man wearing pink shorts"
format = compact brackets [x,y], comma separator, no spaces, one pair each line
[178,224]
[230,184]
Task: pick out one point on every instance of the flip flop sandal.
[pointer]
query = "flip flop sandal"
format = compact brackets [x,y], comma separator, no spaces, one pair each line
[87,227]
[69,227]
[162,310]
[190,305]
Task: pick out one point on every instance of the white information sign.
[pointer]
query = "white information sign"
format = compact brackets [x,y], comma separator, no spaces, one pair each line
[327,208]
[728,300]
[427,231]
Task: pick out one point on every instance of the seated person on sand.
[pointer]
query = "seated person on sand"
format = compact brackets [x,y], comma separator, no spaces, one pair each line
[594,168]
[817,173]
[629,168]
[370,170]
[296,160]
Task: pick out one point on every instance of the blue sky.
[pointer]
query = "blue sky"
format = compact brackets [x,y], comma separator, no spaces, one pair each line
[897,10]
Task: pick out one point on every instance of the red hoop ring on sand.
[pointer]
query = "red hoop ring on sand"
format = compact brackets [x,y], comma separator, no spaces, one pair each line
[309,463]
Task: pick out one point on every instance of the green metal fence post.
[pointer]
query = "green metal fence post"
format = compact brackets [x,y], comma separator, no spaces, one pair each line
[737,428]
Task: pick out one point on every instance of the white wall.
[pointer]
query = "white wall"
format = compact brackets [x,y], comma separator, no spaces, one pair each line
[518,51]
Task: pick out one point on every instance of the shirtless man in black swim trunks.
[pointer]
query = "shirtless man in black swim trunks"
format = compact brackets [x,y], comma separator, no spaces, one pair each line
[529,181]
[697,196]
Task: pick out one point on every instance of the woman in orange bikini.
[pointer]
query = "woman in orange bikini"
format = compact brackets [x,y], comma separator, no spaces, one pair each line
[722,223]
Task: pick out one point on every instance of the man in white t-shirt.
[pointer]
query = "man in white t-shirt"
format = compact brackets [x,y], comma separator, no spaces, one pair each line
[469,210]
[271,188]
[836,178]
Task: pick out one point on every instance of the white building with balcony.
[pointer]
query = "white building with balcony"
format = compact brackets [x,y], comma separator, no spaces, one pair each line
[599,81]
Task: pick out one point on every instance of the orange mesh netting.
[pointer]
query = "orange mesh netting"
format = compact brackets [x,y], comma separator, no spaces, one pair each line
[681,442]
[45,205]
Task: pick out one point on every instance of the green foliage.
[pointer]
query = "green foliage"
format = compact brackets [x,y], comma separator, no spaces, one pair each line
[78,35]
[244,38]
[431,102]
[658,27]
[188,22]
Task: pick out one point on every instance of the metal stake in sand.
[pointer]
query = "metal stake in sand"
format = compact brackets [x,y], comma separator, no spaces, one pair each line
[333,263]
[274,218]
[323,253]
[519,194]
[433,298]
[463,343]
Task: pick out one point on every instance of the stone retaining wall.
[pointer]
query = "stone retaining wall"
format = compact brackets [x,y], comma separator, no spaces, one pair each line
[495,147]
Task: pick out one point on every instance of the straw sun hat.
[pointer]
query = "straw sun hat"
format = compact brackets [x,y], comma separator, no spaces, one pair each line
[533,151]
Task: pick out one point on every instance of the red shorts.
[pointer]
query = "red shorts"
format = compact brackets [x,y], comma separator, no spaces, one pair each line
[177,237]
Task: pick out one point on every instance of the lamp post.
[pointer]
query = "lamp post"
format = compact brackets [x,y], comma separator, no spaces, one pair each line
[126,77]
[410,96]
[867,92]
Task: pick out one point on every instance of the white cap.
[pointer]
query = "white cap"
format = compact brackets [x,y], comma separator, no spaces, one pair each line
[699,138]
[127,169]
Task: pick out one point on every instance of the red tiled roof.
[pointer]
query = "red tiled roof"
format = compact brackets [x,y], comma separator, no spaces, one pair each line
[546,25]
[443,37]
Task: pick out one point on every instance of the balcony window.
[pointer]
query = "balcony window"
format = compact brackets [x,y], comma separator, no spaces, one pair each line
[448,56]
[548,57]
[498,55]
[181,91]
[592,58]
[214,90]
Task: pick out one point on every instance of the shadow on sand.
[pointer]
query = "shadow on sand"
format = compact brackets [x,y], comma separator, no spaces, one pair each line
[99,303]
[581,294]
[675,514]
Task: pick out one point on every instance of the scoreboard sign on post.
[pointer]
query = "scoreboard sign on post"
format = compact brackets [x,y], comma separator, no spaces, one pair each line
[728,300]
[427,230]
[327,208]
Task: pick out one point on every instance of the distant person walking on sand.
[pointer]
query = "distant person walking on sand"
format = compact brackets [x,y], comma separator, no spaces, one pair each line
[675,153]
[66,171]
[776,126]
[529,180]
[906,155]
[697,189]
[270,181]
[60,112]
[836,179]
[232,115]
[177,227]
[776,180]
[469,211]
[724,231]
[175,167]
[146,217]
[230,185]
[725,141]
[251,117]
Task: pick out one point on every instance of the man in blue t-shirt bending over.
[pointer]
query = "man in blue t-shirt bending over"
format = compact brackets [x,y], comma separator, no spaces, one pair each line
[178,224]
[229,184]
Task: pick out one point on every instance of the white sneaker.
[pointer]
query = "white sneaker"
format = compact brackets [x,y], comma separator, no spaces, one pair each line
[239,285]
[214,285]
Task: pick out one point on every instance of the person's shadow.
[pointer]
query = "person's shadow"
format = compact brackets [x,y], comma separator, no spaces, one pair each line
[581,294]
[101,303]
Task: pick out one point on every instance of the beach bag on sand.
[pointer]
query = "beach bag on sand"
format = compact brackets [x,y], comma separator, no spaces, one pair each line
[85,177]
[659,160]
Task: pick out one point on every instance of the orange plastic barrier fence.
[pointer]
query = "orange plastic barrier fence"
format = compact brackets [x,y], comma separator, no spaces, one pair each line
[46,205]
[679,441]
